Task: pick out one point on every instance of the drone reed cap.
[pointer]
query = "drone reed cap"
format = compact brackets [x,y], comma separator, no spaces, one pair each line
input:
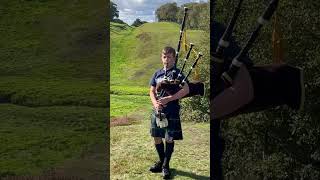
[270,10]
[224,43]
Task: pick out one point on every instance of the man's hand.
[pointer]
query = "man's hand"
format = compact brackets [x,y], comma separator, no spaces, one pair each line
[158,106]
[165,100]
[181,93]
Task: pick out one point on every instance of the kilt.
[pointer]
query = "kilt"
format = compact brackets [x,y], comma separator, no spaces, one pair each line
[173,129]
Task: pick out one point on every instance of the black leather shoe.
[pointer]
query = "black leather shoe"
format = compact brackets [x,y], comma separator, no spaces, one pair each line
[156,168]
[166,173]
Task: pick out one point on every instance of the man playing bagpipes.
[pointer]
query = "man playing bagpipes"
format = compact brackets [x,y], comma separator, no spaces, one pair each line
[167,86]
[240,87]
[165,119]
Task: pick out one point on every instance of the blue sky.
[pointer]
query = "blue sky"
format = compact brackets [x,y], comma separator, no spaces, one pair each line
[130,10]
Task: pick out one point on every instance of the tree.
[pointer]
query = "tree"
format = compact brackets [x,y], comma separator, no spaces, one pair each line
[197,15]
[114,11]
[138,22]
[167,12]
[200,112]
[197,18]
[119,21]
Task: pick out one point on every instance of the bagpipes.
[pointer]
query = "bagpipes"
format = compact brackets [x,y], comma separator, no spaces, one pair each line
[243,88]
[173,83]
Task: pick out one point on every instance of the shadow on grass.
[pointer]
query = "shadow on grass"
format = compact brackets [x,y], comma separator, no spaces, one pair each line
[176,172]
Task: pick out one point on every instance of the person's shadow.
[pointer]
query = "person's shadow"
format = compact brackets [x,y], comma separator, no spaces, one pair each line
[175,172]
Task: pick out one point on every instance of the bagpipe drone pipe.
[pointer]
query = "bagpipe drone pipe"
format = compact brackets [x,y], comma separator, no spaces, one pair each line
[172,83]
[238,86]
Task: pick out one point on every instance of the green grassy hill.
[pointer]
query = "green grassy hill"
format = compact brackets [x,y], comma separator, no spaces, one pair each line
[135,56]
[59,42]
[53,84]
[135,52]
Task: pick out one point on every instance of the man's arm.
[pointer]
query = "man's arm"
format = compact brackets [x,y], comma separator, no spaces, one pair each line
[153,98]
[180,94]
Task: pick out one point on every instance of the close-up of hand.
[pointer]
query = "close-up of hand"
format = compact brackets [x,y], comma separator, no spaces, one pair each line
[158,106]
[163,101]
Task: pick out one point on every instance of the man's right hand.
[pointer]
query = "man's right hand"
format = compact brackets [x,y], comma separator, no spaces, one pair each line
[158,106]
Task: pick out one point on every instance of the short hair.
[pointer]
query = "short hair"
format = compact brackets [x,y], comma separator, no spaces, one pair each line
[169,50]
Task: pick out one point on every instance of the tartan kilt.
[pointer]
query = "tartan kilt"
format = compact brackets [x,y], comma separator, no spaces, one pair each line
[174,129]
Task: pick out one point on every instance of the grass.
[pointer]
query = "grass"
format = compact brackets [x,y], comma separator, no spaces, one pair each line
[41,39]
[124,105]
[129,90]
[132,152]
[44,92]
[36,139]
[52,81]
[128,100]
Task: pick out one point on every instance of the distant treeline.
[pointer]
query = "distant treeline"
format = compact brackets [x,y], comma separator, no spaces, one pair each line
[197,11]
[170,12]
[114,13]
[114,16]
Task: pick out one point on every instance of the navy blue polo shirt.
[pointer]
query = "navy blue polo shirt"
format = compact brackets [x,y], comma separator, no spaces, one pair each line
[158,77]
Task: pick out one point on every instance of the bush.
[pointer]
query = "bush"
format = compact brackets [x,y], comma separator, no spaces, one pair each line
[138,22]
[118,21]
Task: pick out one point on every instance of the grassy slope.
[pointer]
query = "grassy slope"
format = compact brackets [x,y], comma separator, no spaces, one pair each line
[135,52]
[35,139]
[52,41]
[135,56]
[52,53]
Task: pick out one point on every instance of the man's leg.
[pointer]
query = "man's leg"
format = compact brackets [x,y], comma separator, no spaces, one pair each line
[157,167]
[168,153]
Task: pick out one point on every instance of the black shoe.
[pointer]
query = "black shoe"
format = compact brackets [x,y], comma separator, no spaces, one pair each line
[156,168]
[166,173]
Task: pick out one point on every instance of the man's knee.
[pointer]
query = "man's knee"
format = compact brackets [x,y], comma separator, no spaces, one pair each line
[169,140]
[157,140]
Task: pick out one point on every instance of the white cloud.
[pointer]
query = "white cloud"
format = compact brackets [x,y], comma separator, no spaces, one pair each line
[130,10]
[127,10]
[138,1]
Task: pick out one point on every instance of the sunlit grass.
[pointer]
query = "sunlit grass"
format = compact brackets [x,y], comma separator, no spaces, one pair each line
[133,152]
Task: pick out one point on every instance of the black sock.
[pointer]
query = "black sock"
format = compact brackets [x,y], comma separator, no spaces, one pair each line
[160,150]
[168,153]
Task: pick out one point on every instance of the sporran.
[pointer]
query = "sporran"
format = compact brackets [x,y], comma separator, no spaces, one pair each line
[163,122]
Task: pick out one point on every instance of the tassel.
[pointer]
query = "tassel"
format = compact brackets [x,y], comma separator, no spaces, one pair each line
[184,41]
[277,48]
[196,75]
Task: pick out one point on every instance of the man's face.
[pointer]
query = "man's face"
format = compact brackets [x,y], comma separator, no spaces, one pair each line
[167,60]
